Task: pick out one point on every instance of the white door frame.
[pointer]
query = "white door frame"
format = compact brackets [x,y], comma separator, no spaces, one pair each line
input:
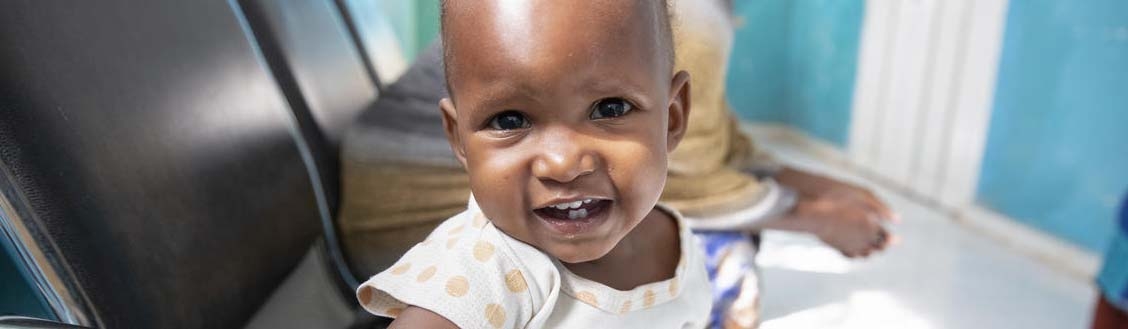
[924,93]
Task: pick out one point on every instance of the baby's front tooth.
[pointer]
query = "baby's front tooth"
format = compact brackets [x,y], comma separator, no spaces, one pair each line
[587,201]
[575,204]
[577,214]
[561,206]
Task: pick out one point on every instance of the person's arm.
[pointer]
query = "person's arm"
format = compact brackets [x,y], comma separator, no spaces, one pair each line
[418,317]
[846,217]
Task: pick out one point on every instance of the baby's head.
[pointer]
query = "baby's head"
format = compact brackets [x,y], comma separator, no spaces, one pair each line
[563,113]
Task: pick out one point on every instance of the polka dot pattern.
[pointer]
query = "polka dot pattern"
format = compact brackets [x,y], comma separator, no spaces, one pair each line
[515,281]
[457,286]
[426,274]
[401,268]
[648,298]
[480,220]
[457,229]
[588,298]
[478,258]
[483,250]
[495,314]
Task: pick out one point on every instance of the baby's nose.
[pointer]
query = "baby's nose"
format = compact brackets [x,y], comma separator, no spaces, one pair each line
[564,162]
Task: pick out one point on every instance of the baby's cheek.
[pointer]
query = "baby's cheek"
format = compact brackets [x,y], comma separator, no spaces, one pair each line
[638,171]
[497,186]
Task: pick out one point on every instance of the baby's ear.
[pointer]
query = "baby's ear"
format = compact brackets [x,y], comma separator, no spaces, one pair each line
[679,110]
[450,125]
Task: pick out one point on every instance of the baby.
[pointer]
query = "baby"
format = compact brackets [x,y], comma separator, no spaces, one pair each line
[563,113]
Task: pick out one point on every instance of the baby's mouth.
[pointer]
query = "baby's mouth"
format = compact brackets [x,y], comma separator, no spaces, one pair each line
[573,211]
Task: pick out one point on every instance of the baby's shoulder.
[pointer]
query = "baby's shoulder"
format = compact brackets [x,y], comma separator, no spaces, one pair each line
[468,272]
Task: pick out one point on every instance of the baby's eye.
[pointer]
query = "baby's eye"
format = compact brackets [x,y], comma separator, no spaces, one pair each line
[610,108]
[509,120]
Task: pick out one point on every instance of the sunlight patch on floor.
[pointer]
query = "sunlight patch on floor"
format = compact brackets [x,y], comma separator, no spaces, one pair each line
[862,310]
[802,253]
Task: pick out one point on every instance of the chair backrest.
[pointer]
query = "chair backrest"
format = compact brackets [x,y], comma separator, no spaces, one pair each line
[320,70]
[150,167]
[372,29]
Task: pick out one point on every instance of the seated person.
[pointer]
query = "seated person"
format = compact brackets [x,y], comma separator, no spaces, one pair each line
[726,189]
[1111,309]
[564,131]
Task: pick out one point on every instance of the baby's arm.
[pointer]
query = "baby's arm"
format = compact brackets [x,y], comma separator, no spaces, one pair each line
[418,317]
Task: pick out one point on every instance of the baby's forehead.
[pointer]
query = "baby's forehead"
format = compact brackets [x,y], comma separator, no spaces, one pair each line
[537,33]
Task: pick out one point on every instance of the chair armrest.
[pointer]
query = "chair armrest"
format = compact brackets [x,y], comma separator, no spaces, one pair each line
[23,322]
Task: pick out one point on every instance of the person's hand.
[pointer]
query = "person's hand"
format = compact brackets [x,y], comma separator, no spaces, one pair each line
[846,217]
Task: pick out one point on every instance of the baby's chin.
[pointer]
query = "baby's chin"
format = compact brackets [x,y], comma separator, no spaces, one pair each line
[580,253]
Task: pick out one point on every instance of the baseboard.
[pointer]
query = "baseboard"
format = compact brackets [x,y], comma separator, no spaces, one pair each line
[783,134]
[1051,250]
[1055,251]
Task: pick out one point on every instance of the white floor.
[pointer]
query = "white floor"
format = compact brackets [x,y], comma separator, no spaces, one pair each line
[942,275]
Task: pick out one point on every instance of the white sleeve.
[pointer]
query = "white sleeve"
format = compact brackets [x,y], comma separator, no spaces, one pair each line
[778,200]
[460,273]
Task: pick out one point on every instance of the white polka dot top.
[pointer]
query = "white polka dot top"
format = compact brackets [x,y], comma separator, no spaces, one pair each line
[478,277]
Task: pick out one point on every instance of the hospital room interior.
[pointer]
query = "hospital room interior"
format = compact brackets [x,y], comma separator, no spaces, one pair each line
[249,163]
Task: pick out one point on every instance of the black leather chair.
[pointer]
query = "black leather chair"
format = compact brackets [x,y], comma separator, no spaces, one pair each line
[317,64]
[152,172]
[322,74]
[375,37]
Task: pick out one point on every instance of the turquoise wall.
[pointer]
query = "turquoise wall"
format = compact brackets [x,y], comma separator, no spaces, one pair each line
[416,23]
[426,24]
[17,294]
[794,63]
[1057,149]
[757,76]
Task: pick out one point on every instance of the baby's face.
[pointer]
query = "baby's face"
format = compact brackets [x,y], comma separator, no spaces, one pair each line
[563,113]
